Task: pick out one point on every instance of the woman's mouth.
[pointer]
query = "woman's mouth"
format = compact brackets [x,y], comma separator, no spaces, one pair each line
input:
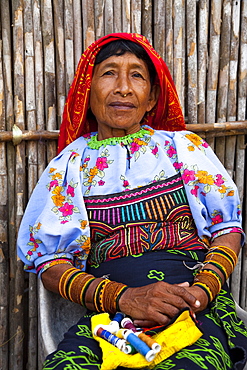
[122,105]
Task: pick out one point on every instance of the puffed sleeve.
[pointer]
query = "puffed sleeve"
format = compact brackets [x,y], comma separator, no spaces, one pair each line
[55,224]
[211,193]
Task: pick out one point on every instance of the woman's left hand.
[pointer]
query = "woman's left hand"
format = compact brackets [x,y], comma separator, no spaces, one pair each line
[199,294]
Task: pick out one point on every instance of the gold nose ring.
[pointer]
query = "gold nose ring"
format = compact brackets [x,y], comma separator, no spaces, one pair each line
[124,95]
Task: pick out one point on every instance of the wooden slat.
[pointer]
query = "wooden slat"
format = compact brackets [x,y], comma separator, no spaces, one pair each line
[136,16]
[99,18]
[108,18]
[88,23]
[126,19]
[117,16]
[32,157]
[69,45]
[4,255]
[232,87]
[169,55]
[191,40]
[39,82]
[213,66]
[7,180]
[242,108]
[203,15]
[160,27]
[49,72]
[147,7]
[16,266]
[179,49]
[77,24]
[58,13]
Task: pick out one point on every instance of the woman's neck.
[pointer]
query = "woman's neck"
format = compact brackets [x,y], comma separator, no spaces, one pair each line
[110,132]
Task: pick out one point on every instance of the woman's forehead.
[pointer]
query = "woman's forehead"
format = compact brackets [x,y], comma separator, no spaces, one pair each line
[127,59]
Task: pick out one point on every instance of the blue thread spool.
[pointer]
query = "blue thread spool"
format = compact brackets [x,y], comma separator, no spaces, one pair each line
[109,337]
[139,345]
[114,324]
[118,317]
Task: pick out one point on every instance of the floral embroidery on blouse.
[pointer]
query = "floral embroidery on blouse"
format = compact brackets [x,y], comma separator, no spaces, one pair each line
[34,243]
[95,174]
[196,141]
[170,150]
[161,176]
[126,183]
[194,177]
[83,242]
[63,195]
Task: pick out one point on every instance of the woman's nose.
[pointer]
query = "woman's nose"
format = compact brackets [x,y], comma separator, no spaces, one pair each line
[123,85]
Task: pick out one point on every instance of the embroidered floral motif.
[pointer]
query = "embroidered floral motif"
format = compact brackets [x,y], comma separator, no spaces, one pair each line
[193,177]
[63,195]
[84,243]
[126,184]
[84,224]
[98,171]
[139,146]
[34,243]
[161,176]
[170,150]
[217,217]
[154,150]
[196,142]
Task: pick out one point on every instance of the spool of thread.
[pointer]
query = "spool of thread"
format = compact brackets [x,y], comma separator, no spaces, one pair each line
[119,316]
[127,323]
[120,333]
[129,349]
[114,324]
[156,347]
[139,345]
[109,337]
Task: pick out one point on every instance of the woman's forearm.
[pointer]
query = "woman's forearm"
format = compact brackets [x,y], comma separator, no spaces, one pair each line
[52,276]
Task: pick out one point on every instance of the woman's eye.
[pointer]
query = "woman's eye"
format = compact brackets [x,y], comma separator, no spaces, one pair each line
[138,75]
[108,73]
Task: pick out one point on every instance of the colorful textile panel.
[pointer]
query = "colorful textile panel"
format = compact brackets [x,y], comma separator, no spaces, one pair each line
[152,217]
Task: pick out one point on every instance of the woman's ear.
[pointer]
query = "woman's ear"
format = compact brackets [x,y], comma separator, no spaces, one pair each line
[154,96]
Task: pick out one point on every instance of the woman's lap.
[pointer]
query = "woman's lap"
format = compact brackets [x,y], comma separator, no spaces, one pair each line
[221,328]
[80,351]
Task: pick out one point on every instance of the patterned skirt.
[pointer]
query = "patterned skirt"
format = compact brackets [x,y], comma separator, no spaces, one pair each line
[222,346]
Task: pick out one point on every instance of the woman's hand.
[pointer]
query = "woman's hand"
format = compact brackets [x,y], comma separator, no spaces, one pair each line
[158,303]
[200,295]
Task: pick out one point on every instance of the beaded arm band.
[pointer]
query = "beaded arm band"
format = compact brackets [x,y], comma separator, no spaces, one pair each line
[74,284]
[107,295]
[224,259]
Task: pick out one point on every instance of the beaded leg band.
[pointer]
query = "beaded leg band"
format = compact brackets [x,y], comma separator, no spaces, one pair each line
[74,284]
[224,259]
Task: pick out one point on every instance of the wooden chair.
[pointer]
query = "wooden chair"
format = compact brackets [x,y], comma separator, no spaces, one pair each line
[57,315]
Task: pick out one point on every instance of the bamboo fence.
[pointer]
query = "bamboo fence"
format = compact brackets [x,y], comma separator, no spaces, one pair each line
[204,44]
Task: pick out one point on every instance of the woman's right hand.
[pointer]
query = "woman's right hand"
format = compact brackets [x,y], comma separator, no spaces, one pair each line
[156,304]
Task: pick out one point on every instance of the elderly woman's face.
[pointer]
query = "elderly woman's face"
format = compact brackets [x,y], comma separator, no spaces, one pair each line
[121,93]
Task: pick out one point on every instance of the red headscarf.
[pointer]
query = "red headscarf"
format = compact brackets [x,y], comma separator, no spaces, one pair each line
[166,115]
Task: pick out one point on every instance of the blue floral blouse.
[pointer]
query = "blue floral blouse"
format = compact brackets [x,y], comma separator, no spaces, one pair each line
[55,224]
